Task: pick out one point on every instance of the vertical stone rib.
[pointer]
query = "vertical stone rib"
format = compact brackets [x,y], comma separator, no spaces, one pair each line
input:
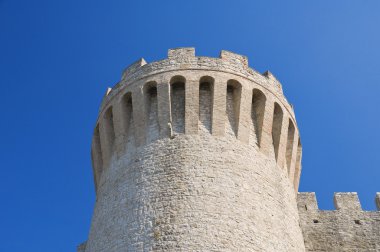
[293,161]
[163,101]
[96,157]
[289,145]
[106,138]
[281,156]
[119,128]
[219,108]
[244,115]
[298,166]
[191,106]
[139,116]
[126,122]
[266,142]
[277,132]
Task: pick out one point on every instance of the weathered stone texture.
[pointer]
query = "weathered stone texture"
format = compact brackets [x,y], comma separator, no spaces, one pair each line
[188,197]
[203,154]
[178,165]
[348,228]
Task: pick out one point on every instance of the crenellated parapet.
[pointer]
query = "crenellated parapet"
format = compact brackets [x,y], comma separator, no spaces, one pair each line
[189,95]
[347,228]
[184,58]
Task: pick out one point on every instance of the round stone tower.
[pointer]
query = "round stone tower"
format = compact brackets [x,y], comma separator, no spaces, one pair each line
[195,154]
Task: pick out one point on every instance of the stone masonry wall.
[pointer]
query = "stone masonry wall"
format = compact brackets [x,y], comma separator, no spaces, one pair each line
[203,154]
[170,85]
[183,160]
[348,228]
[197,193]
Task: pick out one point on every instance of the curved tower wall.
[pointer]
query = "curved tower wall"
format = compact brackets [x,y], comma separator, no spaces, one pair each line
[196,153]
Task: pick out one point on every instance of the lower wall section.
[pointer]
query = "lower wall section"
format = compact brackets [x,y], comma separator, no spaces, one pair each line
[195,193]
[348,228]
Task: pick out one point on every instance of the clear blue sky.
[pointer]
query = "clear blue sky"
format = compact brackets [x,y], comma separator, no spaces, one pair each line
[58,57]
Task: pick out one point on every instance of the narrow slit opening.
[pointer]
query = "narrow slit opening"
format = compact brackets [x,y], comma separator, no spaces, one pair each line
[177,97]
[233,106]
[127,111]
[257,115]
[152,127]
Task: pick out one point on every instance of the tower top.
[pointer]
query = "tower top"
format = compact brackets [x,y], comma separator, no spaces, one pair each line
[276,129]
[185,58]
[184,145]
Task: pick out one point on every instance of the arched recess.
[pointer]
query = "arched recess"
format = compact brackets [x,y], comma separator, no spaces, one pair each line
[289,145]
[152,126]
[96,154]
[206,96]
[127,117]
[177,103]
[233,106]
[276,128]
[257,114]
[109,130]
[297,172]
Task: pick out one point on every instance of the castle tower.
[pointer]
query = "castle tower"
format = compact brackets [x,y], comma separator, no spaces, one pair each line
[195,154]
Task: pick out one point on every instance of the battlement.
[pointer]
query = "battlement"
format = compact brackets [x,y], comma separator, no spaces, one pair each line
[134,67]
[234,58]
[185,58]
[187,55]
[348,201]
[192,99]
[181,52]
[347,227]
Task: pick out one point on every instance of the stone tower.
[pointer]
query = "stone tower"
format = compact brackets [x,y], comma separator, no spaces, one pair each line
[195,154]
